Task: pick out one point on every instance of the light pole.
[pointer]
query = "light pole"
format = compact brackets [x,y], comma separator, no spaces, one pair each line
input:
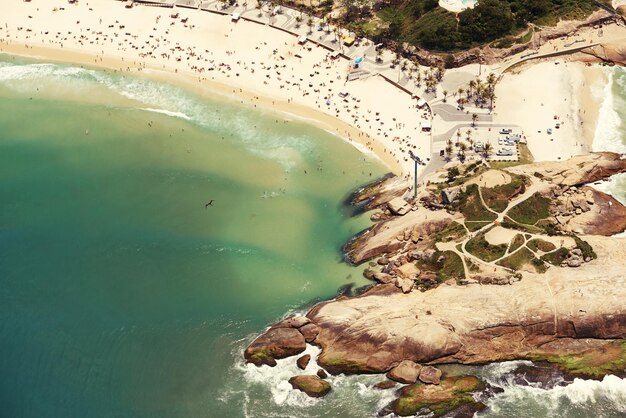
[417,160]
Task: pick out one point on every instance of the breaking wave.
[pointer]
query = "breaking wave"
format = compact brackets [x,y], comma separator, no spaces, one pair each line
[222,119]
[610,134]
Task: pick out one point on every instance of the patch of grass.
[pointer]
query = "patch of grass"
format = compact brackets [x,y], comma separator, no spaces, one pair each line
[471,207]
[521,258]
[541,245]
[450,266]
[556,257]
[518,241]
[531,210]
[454,231]
[497,198]
[479,247]
[526,37]
[511,224]
[475,226]
[586,249]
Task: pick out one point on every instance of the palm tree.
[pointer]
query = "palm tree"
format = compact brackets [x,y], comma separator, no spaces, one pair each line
[462,149]
[474,118]
[445,95]
[310,24]
[448,152]
[487,148]
[472,85]
[458,136]
[468,133]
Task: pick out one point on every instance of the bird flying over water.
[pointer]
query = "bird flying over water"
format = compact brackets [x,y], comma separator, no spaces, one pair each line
[209,204]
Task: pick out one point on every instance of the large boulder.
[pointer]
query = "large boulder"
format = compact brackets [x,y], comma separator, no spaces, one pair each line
[293,322]
[274,344]
[431,375]
[310,332]
[311,385]
[303,361]
[405,372]
[399,206]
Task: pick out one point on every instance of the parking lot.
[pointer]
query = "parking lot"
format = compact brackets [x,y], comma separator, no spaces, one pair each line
[504,142]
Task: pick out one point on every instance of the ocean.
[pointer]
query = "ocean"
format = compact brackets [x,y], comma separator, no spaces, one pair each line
[124,294]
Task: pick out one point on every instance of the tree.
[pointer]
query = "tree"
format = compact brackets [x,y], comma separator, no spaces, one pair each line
[448,152]
[462,149]
[487,148]
[474,118]
[445,95]
[310,24]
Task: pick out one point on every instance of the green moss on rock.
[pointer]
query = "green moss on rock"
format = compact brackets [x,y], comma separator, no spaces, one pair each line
[451,394]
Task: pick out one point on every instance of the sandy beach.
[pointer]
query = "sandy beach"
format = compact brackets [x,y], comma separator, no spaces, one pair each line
[553,95]
[264,67]
[210,53]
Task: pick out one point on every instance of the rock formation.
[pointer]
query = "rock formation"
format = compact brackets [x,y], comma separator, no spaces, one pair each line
[311,385]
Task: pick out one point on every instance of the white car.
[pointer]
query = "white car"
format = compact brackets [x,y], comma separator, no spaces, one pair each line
[505,152]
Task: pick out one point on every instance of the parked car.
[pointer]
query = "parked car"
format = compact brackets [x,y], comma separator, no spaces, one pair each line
[505,152]
[343,94]
[506,131]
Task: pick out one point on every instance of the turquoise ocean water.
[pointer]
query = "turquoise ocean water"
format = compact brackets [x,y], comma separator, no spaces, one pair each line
[121,295]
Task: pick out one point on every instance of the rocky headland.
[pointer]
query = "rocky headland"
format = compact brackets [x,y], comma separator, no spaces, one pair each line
[488,264]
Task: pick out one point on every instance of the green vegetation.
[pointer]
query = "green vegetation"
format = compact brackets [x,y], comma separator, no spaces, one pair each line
[531,210]
[541,245]
[497,198]
[586,249]
[454,231]
[479,247]
[450,266]
[556,257]
[471,207]
[521,258]
[511,224]
[475,226]
[592,363]
[518,241]
[449,395]
[423,23]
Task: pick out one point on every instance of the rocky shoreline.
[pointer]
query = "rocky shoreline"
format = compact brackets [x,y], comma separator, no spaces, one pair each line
[569,314]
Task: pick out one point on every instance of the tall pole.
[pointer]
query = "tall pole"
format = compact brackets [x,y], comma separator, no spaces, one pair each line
[415,181]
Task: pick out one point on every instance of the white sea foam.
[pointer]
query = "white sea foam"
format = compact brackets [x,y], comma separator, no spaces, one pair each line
[229,121]
[167,112]
[609,394]
[609,134]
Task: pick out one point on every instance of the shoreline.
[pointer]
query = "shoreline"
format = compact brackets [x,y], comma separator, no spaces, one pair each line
[211,89]
[263,77]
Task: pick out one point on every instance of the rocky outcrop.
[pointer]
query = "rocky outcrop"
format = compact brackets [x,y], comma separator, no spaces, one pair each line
[274,344]
[303,361]
[585,210]
[311,385]
[397,234]
[376,331]
[399,206]
[405,372]
[447,398]
[378,193]
[576,171]
[387,384]
[430,375]
[310,331]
